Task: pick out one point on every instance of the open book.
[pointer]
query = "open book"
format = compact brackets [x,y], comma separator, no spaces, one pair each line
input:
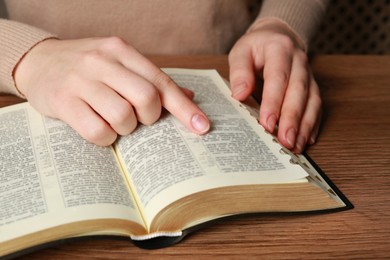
[155,185]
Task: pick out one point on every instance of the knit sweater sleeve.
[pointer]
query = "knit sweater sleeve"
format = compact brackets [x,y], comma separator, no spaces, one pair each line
[16,39]
[303,17]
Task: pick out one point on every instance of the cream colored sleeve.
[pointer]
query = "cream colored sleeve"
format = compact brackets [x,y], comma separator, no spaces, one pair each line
[302,16]
[16,39]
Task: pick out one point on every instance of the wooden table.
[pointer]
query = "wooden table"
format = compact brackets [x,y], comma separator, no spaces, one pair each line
[353,149]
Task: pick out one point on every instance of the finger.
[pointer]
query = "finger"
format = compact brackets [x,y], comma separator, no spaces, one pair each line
[189,93]
[112,107]
[316,96]
[311,118]
[82,118]
[316,129]
[180,105]
[276,75]
[295,102]
[242,73]
[171,95]
[310,123]
[140,93]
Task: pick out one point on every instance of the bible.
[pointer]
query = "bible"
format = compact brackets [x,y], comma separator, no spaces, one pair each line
[157,184]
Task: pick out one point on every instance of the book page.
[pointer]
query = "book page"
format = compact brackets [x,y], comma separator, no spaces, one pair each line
[50,176]
[166,162]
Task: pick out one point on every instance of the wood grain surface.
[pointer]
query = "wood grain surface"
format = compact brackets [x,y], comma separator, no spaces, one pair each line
[353,149]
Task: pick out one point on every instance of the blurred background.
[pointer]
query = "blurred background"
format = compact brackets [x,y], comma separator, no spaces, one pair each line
[349,27]
[354,27]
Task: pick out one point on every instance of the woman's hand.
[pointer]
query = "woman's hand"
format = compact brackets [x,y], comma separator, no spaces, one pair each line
[102,87]
[290,94]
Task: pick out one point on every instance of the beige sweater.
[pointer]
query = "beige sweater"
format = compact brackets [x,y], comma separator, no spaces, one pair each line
[152,26]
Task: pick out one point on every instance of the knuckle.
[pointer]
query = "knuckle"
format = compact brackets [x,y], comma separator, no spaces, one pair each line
[90,58]
[153,117]
[279,77]
[306,127]
[123,113]
[299,86]
[98,134]
[317,101]
[100,52]
[281,42]
[163,81]
[114,43]
[285,42]
[107,141]
[147,97]
[291,115]
[131,128]
[236,50]
[301,55]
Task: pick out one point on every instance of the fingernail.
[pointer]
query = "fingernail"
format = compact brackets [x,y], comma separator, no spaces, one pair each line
[238,89]
[200,123]
[313,139]
[290,137]
[271,122]
[300,143]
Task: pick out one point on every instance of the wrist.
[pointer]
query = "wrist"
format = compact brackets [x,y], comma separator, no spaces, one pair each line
[26,66]
[277,26]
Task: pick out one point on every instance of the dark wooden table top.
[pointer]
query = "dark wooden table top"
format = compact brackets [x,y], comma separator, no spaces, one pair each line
[353,149]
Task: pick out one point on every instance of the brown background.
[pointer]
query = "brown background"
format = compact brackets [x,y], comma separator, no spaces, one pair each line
[350,27]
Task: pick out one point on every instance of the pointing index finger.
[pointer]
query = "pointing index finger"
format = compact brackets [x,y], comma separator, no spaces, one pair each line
[180,105]
[172,97]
